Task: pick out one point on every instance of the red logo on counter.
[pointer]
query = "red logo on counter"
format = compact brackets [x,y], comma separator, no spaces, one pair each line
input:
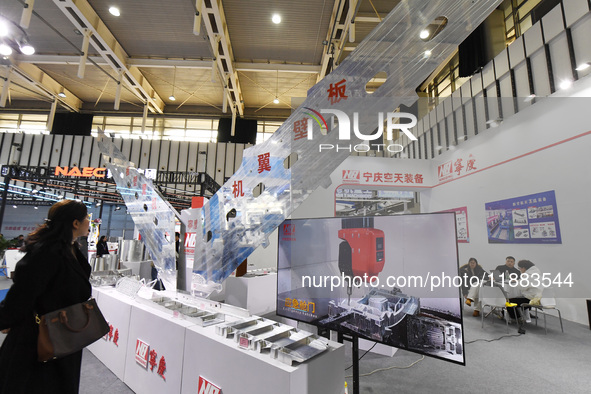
[206,387]
[141,353]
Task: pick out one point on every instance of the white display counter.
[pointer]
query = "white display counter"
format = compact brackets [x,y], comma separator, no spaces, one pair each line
[191,351]
[255,293]
[111,350]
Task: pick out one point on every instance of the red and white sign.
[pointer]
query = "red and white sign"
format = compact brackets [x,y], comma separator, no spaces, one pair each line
[206,387]
[141,353]
[351,176]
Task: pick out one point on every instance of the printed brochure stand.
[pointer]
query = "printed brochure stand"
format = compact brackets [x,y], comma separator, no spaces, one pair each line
[354,339]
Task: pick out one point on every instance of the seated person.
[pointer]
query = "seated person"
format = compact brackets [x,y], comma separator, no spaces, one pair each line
[508,268]
[530,292]
[467,273]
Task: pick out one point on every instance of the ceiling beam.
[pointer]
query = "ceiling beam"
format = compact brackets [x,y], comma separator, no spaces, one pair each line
[46,85]
[219,39]
[172,63]
[83,16]
[328,51]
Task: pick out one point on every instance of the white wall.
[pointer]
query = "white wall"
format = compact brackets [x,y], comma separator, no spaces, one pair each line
[539,149]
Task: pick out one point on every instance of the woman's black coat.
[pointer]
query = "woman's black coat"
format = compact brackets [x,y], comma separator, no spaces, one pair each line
[46,279]
[102,249]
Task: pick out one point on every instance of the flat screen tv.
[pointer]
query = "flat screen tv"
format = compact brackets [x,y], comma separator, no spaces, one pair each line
[389,279]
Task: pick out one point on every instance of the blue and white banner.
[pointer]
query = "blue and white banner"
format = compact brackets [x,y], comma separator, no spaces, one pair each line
[531,219]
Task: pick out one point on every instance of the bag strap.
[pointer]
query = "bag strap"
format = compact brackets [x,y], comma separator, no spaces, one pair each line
[64,318]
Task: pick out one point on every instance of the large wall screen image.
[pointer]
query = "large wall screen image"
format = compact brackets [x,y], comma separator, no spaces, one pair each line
[389,279]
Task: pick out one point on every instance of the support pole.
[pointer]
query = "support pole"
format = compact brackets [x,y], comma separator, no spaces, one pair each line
[26,15]
[118,91]
[5,87]
[144,118]
[233,130]
[197,19]
[7,180]
[84,57]
[51,116]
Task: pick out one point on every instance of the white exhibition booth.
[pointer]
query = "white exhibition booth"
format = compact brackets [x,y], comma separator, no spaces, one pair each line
[157,351]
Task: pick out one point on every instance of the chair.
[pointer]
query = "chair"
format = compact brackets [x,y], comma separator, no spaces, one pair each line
[548,302]
[495,299]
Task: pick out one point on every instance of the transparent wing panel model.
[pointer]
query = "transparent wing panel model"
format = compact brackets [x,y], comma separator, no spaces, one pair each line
[152,215]
[307,148]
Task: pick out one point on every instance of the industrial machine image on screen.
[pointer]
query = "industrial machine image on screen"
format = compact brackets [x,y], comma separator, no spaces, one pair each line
[370,276]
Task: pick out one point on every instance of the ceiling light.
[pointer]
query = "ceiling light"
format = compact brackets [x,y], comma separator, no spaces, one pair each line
[529,98]
[26,48]
[494,122]
[439,147]
[60,196]
[424,34]
[62,94]
[276,101]
[14,206]
[36,207]
[583,66]
[171,97]
[117,208]
[5,50]
[276,18]
[34,191]
[565,84]
[4,31]
[427,53]
[114,11]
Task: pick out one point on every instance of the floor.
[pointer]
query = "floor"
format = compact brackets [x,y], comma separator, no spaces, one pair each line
[495,362]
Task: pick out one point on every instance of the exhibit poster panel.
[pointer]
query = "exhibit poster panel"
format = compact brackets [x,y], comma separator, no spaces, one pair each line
[357,200]
[389,279]
[531,219]
[461,223]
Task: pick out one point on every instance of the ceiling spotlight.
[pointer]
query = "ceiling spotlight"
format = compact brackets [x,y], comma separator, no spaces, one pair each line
[34,191]
[26,48]
[36,207]
[14,206]
[118,208]
[62,94]
[276,18]
[114,11]
[5,50]
[60,196]
[276,101]
[98,204]
[583,66]
[427,54]
[565,84]
[424,34]
[171,97]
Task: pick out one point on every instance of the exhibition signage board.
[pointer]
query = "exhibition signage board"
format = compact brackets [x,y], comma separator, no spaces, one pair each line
[461,223]
[531,219]
[374,277]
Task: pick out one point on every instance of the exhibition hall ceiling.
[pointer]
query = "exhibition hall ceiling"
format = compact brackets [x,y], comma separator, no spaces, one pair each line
[159,49]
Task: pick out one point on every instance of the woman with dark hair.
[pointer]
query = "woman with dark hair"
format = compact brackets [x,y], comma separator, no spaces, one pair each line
[53,274]
[101,247]
[471,274]
[529,292]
